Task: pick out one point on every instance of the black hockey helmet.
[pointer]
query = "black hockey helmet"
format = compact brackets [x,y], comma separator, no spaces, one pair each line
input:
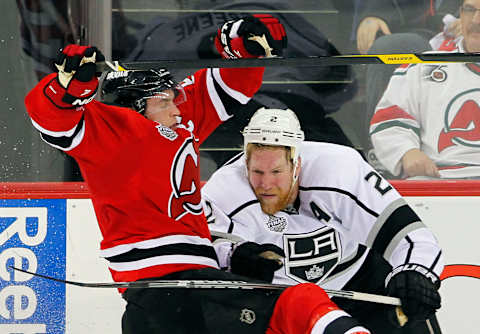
[132,88]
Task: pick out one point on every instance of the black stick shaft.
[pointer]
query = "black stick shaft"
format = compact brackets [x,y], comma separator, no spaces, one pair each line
[210,284]
[407,58]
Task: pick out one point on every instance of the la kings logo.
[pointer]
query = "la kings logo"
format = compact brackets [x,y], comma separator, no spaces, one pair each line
[311,257]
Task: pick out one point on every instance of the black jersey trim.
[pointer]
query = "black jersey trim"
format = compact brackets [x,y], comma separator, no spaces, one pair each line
[64,141]
[230,104]
[172,249]
[237,210]
[344,192]
[233,159]
[398,220]
[435,261]
[346,265]
[410,249]
[341,325]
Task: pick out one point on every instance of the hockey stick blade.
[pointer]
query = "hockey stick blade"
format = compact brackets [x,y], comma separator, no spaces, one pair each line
[201,284]
[389,59]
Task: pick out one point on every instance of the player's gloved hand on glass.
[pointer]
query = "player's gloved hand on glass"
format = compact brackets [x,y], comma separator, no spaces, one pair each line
[417,292]
[253,36]
[77,80]
[258,261]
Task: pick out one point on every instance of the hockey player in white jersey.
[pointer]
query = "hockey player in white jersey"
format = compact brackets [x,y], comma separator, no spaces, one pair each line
[427,124]
[334,220]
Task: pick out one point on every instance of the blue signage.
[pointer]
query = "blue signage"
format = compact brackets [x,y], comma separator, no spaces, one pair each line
[32,237]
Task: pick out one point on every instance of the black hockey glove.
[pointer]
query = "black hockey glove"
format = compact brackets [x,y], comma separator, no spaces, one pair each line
[258,35]
[256,261]
[418,293]
[76,83]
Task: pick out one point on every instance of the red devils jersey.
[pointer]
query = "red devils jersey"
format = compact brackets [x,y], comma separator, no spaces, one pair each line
[434,108]
[143,176]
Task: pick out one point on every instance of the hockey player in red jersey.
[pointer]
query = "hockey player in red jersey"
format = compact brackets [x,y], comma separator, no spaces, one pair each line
[139,154]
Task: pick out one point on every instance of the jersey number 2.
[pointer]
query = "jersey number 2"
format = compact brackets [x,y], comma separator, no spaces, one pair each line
[378,183]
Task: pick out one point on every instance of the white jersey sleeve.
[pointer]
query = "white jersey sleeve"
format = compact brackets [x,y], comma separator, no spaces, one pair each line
[355,199]
[394,128]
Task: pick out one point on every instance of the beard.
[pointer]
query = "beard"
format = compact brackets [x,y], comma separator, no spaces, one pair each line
[271,207]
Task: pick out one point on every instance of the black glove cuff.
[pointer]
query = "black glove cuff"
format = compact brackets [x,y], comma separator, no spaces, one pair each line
[415,267]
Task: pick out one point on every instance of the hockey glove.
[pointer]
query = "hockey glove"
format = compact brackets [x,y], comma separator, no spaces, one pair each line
[417,292]
[259,35]
[256,261]
[77,80]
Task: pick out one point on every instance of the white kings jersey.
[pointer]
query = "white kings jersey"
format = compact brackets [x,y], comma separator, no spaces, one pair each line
[344,210]
[435,108]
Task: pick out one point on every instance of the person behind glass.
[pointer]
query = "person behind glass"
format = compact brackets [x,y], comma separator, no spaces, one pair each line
[426,125]
[333,218]
[386,26]
[139,157]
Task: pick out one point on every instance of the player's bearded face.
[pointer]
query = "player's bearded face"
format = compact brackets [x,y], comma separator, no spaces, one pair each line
[270,174]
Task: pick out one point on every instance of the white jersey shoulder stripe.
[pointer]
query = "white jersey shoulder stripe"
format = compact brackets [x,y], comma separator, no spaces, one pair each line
[215,98]
[153,243]
[57,134]
[66,143]
[163,259]
[240,97]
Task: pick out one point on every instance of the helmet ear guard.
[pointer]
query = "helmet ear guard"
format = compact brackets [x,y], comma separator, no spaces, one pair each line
[132,88]
[275,127]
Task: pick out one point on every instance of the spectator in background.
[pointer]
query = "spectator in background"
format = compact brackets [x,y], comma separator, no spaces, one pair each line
[421,19]
[427,123]
[395,26]
[316,91]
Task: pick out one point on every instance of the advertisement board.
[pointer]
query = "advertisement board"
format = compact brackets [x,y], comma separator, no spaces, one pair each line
[32,236]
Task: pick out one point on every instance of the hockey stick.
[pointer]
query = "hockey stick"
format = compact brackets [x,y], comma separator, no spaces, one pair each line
[389,59]
[203,284]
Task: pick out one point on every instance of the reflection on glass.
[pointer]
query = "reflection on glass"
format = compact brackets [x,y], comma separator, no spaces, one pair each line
[335,104]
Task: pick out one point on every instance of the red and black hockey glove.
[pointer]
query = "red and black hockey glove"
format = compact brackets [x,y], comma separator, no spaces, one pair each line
[418,293]
[76,82]
[258,261]
[254,36]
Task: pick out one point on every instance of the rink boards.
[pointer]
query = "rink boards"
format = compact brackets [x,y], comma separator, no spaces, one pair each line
[50,228]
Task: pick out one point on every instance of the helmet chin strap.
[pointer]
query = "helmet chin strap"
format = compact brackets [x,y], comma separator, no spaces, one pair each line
[294,179]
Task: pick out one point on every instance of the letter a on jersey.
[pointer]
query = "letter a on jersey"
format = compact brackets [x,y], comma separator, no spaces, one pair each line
[185,197]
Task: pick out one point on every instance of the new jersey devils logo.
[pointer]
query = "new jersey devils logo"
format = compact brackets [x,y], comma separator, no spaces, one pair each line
[185,197]
[462,121]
